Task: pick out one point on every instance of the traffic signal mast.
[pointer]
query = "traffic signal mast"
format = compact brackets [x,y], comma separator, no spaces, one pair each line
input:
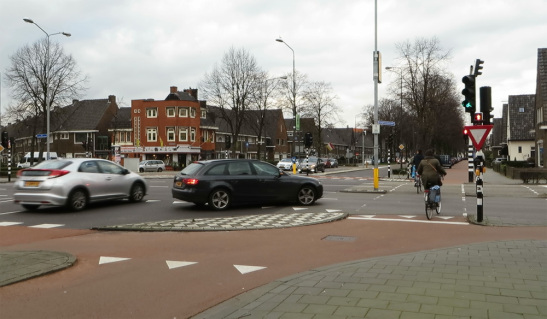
[469,94]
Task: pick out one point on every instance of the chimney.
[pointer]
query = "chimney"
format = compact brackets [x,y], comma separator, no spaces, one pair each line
[192,92]
[112,99]
[173,90]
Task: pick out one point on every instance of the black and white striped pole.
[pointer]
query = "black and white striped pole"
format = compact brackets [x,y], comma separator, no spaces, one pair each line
[479,164]
[470,165]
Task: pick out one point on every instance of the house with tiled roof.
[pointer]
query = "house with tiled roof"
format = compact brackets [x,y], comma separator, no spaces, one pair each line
[77,130]
[520,129]
[540,112]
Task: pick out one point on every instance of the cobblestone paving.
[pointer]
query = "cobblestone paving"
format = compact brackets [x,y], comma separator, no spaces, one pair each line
[233,223]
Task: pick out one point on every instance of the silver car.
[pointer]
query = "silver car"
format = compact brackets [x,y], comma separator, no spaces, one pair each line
[151,166]
[75,183]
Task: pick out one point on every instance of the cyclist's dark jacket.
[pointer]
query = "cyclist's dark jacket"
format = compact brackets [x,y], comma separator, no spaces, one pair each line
[429,169]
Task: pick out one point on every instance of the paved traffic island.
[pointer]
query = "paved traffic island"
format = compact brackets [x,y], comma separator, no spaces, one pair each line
[250,222]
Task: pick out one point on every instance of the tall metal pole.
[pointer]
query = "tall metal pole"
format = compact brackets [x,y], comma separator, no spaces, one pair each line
[293,96]
[376,75]
[46,67]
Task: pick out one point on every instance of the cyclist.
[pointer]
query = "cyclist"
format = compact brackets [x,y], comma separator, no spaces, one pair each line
[430,170]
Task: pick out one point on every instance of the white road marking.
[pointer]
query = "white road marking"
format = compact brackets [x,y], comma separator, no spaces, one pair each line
[411,221]
[9,223]
[47,226]
[299,208]
[106,260]
[152,200]
[248,269]
[177,264]
[15,212]
[333,210]
[407,216]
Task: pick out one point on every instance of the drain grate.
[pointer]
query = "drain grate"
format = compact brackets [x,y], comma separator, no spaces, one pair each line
[339,238]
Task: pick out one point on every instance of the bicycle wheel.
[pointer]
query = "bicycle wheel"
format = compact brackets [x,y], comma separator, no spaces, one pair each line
[438,208]
[418,185]
[429,206]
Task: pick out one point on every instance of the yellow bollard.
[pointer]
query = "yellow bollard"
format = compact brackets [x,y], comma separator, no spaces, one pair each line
[294,168]
[376,171]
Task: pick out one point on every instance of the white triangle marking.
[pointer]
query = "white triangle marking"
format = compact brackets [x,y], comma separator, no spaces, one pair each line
[247,269]
[407,216]
[299,208]
[367,216]
[107,260]
[333,210]
[445,217]
[152,200]
[10,223]
[47,226]
[177,264]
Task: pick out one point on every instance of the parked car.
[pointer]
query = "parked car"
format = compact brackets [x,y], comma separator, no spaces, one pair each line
[327,162]
[499,160]
[333,162]
[75,183]
[313,165]
[286,164]
[222,183]
[151,166]
[445,161]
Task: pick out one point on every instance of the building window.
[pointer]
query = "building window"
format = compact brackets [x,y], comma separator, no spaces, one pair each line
[128,137]
[64,136]
[193,135]
[170,112]
[152,112]
[183,134]
[192,112]
[203,114]
[183,112]
[152,134]
[171,134]
[520,149]
[521,110]
[136,111]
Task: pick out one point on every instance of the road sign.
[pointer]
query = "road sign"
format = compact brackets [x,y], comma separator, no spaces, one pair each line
[478,134]
[41,135]
[401,147]
[387,123]
[1,148]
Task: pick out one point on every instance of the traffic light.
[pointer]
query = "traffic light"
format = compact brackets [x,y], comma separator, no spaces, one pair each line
[5,139]
[465,136]
[478,67]
[477,118]
[308,139]
[469,93]
[228,141]
[486,104]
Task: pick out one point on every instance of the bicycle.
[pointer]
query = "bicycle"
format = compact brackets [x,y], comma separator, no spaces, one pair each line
[418,183]
[432,198]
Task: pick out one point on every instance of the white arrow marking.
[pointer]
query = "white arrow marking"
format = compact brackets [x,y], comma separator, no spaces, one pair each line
[177,264]
[47,226]
[299,208]
[407,216]
[247,269]
[106,260]
[332,210]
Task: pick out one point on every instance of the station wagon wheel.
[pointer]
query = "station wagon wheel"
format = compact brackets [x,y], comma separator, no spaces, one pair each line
[306,195]
[220,199]
[77,200]
[159,169]
[137,193]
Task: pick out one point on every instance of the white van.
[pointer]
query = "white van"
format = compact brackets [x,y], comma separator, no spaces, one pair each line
[25,161]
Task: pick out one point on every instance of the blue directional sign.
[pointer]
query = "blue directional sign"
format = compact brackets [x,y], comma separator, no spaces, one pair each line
[41,135]
[387,123]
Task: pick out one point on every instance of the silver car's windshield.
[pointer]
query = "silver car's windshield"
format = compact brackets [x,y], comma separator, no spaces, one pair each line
[53,164]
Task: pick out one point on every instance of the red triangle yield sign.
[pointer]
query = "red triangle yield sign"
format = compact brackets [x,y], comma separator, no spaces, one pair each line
[478,134]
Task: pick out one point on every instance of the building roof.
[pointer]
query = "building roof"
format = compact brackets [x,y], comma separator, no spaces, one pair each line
[80,116]
[521,117]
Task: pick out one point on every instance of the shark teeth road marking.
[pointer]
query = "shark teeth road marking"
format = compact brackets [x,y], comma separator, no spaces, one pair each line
[107,260]
[445,217]
[299,208]
[9,223]
[333,210]
[177,264]
[407,216]
[47,226]
[247,269]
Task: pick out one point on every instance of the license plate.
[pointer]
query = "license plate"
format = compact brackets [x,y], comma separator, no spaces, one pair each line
[32,184]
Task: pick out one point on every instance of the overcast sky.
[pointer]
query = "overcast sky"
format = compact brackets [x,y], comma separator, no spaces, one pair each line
[137,49]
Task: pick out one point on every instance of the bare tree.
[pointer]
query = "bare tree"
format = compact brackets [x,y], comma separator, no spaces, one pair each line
[292,94]
[42,75]
[319,104]
[231,85]
[427,90]
[262,101]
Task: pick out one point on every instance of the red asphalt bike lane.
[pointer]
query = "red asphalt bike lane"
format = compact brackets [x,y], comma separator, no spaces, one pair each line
[144,286]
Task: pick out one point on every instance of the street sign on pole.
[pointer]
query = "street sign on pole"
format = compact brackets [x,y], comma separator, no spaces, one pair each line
[41,135]
[1,148]
[387,123]
[478,134]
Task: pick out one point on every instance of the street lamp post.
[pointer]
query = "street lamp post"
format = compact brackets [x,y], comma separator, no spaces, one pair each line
[48,103]
[401,110]
[293,95]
